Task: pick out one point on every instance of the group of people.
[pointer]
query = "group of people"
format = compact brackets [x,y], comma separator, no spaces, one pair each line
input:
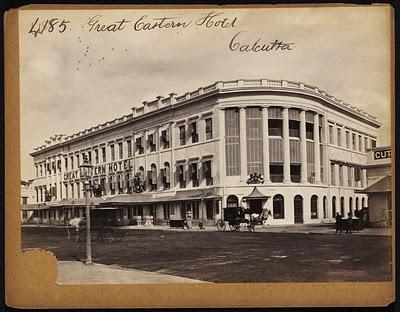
[347,224]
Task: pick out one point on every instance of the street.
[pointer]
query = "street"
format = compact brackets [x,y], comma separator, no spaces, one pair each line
[231,256]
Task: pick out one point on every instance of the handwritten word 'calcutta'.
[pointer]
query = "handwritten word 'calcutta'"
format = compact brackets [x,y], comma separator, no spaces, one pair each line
[237,45]
[48,25]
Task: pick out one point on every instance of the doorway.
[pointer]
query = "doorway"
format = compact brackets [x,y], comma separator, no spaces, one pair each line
[255,206]
[298,209]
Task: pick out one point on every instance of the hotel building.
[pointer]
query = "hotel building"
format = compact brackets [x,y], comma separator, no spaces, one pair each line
[195,153]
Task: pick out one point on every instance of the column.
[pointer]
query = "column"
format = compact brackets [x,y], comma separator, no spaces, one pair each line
[345,175]
[303,147]
[222,152]
[337,179]
[363,143]
[265,145]
[47,173]
[172,175]
[363,178]
[317,156]
[243,143]
[357,143]
[343,137]
[286,146]
[352,178]
[58,171]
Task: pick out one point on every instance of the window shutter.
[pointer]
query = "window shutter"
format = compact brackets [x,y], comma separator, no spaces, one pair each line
[167,173]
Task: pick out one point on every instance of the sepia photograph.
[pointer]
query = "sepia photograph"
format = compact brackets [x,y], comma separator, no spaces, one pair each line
[208,145]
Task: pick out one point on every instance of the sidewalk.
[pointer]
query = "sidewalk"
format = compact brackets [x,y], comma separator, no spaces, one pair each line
[297,228]
[75,273]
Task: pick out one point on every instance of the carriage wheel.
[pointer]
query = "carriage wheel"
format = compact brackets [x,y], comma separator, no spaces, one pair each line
[251,227]
[234,227]
[221,226]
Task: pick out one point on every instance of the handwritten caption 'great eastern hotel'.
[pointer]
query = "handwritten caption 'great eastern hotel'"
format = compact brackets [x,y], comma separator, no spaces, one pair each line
[241,41]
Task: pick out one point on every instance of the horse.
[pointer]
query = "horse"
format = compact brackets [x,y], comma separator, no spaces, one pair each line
[78,224]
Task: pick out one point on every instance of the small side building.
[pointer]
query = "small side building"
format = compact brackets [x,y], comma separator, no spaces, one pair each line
[27,199]
[379,181]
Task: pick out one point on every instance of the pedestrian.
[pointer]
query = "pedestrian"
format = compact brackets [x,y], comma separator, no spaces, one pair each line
[338,223]
[349,223]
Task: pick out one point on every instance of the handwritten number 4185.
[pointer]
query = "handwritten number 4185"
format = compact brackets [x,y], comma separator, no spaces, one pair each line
[48,25]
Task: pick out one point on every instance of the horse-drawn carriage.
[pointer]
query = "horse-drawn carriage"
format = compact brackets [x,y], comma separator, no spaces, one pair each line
[103,227]
[237,217]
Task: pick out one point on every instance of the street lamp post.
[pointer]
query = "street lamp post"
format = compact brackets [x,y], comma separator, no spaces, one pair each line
[86,170]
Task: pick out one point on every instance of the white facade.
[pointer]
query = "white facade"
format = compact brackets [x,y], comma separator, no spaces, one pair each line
[305,143]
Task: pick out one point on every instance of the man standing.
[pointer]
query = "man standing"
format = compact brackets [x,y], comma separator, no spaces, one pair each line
[349,223]
[338,223]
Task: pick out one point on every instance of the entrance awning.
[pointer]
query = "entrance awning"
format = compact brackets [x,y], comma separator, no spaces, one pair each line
[381,186]
[146,198]
[256,194]
[32,207]
[72,202]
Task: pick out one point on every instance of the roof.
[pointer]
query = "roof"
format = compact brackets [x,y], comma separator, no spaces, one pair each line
[383,185]
[256,194]
[75,202]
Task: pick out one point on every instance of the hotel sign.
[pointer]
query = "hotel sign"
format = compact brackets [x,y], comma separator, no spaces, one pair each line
[102,169]
[382,154]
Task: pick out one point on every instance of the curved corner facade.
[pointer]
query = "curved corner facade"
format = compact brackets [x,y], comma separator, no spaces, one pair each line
[196,152]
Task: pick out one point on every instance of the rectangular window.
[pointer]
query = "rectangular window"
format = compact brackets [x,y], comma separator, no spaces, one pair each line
[310,162]
[166,177]
[112,148]
[151,143]
[182,138]
[207,173]
[295,175]
[139,146]
[366,142]
[339,137]
[373,143]
[275,127]
[232,142]
[353,140]
[357,174]
[129,147]
[90,156]
[181,176]
[165,138]
[194,134]
[349,177]
[331,138]
[309,131]
[41,170]
[72,191]
[193,174]
[96,156]
[360,143]
[254,140]
[103,154]
[24,200]
[347,139]
[341,175]
[294,129]
[332,174]
[72,162]
[276,172]
[209,129]
[77,161]
[120,151]
[37,171]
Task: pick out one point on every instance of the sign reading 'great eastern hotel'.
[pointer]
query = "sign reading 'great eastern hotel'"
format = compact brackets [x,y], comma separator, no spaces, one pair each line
[102,169]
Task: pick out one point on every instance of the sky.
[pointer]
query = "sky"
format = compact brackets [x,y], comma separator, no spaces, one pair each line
[76,76]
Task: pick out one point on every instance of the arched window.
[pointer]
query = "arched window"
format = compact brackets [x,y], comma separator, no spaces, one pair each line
[166,176]
[342,206]
[232,201]
[333,206]
[314,207]
[351,206]
[324,206]
[357,203]
[278,207]
[298,209]
[363,202]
